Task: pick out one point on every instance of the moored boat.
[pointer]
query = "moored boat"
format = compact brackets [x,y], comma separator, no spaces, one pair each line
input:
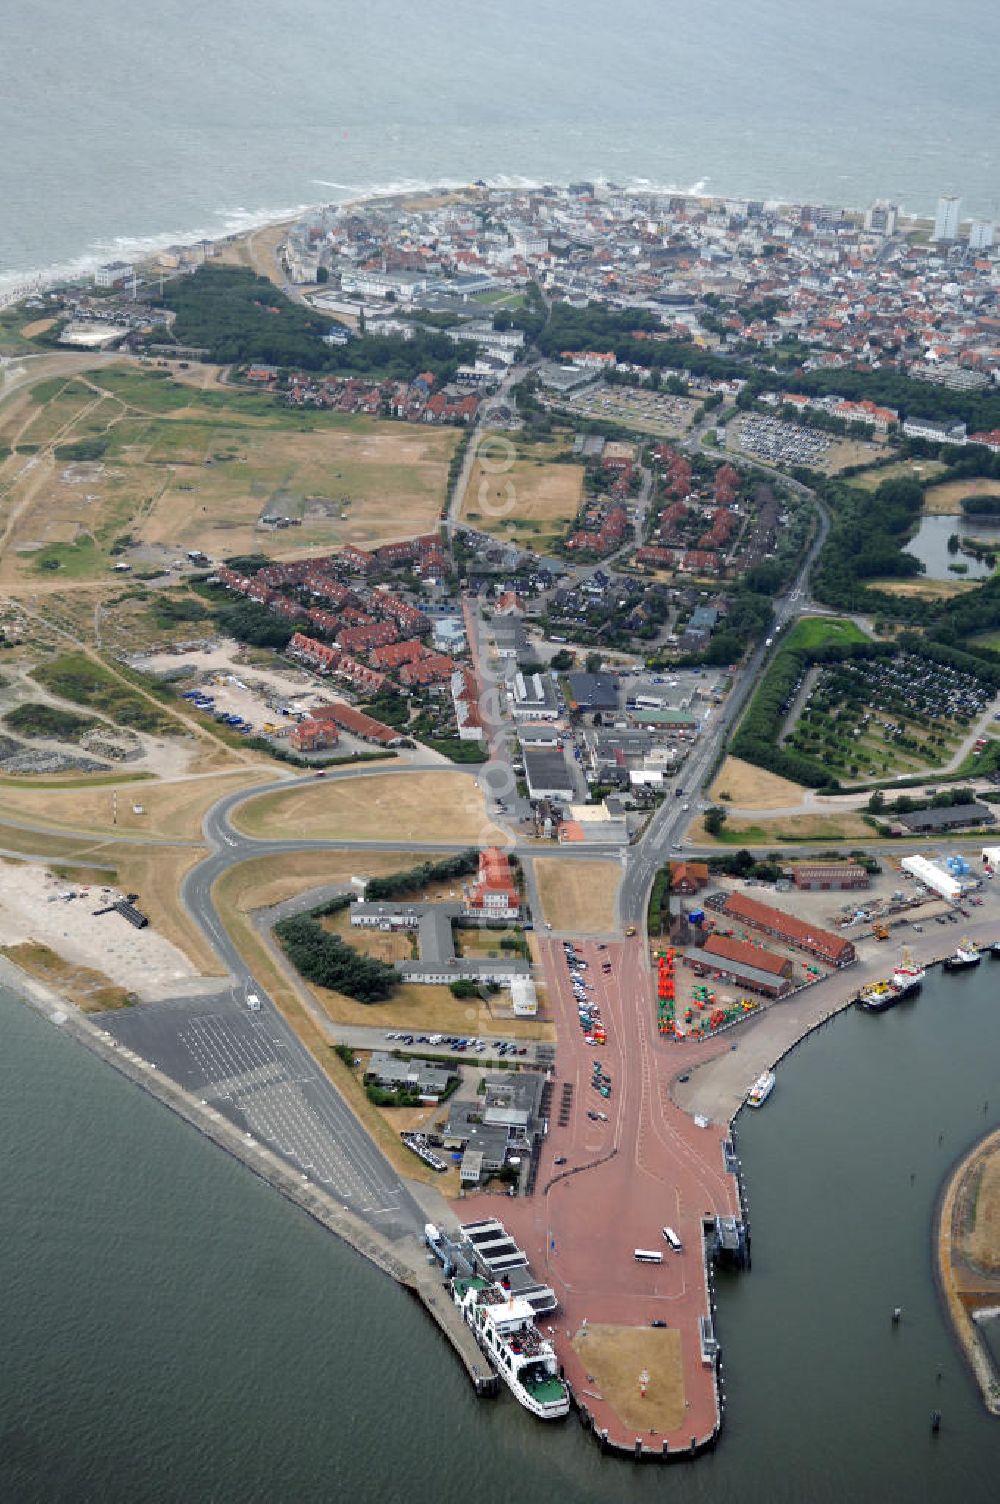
[907,975]
[761,1090]
[966,955]
[504,1327]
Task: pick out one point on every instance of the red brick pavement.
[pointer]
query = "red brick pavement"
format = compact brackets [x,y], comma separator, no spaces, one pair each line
[649,1165]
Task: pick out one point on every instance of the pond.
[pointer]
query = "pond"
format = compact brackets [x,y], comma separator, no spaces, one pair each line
[930,545]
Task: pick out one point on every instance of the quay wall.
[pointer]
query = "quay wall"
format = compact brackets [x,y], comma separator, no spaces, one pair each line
[423,1281]
[966,1332]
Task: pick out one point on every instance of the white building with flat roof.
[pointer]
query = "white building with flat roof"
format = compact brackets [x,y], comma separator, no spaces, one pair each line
[932,876]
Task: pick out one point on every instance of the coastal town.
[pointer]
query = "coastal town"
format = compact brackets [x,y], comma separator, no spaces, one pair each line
[509,695]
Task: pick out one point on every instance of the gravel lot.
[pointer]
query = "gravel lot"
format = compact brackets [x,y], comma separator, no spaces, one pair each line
[34,906]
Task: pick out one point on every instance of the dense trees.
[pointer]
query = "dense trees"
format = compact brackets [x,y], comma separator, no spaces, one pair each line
[866,539]
[324,959]
[248,622]
[239,317]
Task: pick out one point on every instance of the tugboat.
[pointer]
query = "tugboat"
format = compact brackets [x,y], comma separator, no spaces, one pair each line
[966,955]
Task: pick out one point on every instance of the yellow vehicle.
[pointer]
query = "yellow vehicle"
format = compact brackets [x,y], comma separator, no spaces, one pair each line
[630,930]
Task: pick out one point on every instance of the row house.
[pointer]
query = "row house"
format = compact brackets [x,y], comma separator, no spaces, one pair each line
[357,560]
[390,555]
[357,723]
[323,621]
[317,655]
[654,557]
[359,674]
[465,699]
[698,561]
[323,588]
[395,654]
[406,616]
[374,635]
[434,669]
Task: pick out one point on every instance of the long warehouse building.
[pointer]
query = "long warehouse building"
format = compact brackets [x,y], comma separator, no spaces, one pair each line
[833,949]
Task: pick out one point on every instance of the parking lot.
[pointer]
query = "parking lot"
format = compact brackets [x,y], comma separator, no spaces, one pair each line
[783,443]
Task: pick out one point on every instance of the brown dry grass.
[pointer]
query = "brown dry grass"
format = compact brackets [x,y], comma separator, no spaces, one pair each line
[432,1010]
[380,807]
[387,479]
[578,895]
[91,991]
[946,497]
[156,873]
[532,496]
[36,327]
[172,810]
[781,828]
[923,589]
[741,784]
[983,1242]
[616,1355]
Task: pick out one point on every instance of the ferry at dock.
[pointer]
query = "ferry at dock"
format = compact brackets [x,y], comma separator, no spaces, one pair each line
[504,1327]
[761,1090]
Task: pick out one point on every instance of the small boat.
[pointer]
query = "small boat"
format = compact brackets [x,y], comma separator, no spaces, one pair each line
[761,1090]
[966,955]
[995,950]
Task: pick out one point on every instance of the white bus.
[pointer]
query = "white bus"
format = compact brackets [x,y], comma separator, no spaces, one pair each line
[648,1256]
[672,1239]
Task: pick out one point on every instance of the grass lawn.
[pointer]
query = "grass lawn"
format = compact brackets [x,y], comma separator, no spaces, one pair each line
[747,787]
[377,807]
[170,810]
[870,480]
[946,498]
[616,1355]
[784,828]
[811,632]
[531,500]
[192,466]
[577,895]
[982,1241]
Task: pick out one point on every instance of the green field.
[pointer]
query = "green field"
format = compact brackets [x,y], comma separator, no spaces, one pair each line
[922,470]
[811,632]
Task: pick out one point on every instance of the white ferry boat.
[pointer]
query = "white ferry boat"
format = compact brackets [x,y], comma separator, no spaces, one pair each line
[761,1090]
[504,1325]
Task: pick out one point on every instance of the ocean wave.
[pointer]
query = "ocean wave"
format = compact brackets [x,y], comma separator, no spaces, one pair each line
[234,221]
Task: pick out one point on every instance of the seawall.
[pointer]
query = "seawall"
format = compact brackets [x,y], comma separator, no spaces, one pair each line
[412,1272]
